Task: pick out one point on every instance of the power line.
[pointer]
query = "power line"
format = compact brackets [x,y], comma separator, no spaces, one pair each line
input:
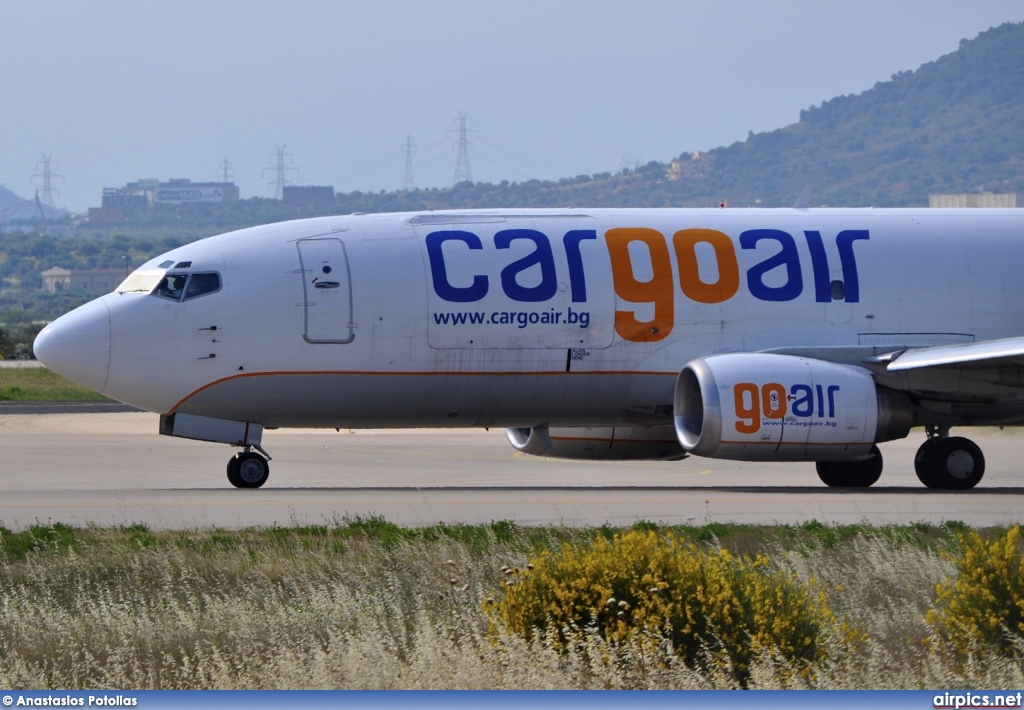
[463,173]
[225,171]
[280,168]
[538,164]
[408,147]
[47,175]
[20,204]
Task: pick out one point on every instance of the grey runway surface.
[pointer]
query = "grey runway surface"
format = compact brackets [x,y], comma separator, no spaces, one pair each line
[114,469]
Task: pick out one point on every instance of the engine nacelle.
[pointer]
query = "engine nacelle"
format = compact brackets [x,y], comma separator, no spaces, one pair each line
[767,407]
[656,443]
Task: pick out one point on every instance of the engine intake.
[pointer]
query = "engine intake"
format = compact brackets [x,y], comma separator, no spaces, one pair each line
[768,407]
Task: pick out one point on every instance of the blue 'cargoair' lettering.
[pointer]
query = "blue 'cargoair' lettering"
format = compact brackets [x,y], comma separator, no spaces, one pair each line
[541,256]
[787,257]
[439,274]
[777,277]
[847,262]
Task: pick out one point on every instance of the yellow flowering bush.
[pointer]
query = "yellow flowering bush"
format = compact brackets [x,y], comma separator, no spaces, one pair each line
[717,609]
[982,608]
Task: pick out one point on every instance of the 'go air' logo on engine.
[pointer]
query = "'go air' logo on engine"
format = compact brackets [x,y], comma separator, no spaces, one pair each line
[771,402]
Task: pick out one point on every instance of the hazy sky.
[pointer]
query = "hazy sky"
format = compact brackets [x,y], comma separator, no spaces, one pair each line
[121,90]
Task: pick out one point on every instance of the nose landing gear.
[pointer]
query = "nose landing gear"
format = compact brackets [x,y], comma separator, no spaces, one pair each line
[949,462]
[248,469]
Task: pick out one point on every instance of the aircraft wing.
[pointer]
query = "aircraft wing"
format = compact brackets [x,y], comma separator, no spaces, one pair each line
[983,354]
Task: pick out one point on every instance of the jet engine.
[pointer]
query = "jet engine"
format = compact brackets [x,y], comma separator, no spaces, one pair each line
[768,407]
[656,443]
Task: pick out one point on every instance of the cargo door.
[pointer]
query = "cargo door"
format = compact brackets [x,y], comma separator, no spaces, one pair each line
[326,289]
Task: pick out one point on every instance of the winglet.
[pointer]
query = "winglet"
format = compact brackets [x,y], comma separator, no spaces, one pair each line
[804,199]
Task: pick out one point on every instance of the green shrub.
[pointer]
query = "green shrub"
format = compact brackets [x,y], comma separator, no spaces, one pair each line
[720,612]
[17,546]
[981,610]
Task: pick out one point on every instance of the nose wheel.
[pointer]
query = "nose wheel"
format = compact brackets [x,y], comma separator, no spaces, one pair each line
[248,470]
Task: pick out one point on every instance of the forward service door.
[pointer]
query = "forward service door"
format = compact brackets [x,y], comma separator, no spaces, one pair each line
[327,290]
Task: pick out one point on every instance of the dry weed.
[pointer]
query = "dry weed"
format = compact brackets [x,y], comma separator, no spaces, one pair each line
[265,609]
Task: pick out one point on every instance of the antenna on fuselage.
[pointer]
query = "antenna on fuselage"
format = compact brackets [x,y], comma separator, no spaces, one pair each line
[804,199]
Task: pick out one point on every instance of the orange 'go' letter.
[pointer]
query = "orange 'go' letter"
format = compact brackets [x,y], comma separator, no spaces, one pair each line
[657,290]
[685,243]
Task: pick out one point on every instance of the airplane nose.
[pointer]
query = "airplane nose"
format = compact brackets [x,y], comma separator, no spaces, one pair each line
[77,345]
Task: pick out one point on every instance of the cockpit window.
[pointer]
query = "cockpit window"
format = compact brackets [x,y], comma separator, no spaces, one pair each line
[177,287]
[140,282]
[171,286]
[202,284]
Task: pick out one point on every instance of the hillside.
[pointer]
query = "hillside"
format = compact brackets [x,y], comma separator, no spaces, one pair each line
[14,207]
[9,201]
[954,125]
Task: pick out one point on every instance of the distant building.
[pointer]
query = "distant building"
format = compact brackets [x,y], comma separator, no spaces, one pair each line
[106,215]
[149,192]
[308,195]
[56,280]
[693,166]
[115,198]
[985,199]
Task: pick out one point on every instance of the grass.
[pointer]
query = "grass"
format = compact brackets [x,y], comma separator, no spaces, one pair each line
[363,603]
[37,384]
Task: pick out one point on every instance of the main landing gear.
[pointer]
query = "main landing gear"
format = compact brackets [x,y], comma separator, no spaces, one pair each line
[943,462]
[949,462]
[249,469]
[851,474]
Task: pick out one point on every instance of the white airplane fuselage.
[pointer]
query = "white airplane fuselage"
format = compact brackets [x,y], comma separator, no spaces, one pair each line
[554,318]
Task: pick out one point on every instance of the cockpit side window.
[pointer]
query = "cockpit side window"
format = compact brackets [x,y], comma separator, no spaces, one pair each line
[178,287]
[202,284]
[171,286]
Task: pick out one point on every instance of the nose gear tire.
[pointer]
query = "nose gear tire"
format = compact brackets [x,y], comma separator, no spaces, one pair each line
[248,470]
